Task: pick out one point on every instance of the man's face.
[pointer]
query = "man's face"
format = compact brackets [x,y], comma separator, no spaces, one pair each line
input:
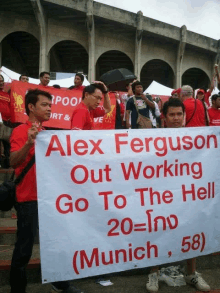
[77,81]
[24,78]
[1,83]
[45,79]
[93,100]
[42,109]
[216,103]
[138,90]
[174,117]
[200,96]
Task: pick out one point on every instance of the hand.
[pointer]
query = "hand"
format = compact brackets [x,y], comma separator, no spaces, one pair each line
[102,83]
[32,133]
[143,97]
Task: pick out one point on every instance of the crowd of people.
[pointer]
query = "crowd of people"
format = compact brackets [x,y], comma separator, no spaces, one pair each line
[134,110]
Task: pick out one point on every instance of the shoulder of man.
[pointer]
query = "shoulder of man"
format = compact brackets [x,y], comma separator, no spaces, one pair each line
[20,129]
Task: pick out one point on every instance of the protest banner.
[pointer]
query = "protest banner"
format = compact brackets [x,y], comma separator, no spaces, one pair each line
[63,103]
[119,200]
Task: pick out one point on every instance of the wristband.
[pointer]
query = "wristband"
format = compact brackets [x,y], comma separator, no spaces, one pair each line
[105,92]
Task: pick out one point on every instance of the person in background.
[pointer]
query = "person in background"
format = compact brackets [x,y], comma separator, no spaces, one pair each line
[195,112]
[24,78]
[213,111]
[155,116]
[5,131]
[125,97]
[44,78]
[4,101]
[201,96]
[83,114]
[78,82]
[120,111]
[207,93]
[173,111]
[144,104]
[176,93]
[56,86]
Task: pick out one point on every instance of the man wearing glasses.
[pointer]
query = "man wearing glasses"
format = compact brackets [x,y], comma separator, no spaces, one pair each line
[83,114]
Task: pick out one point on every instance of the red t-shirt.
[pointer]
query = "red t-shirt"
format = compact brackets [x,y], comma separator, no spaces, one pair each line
[80,87]
[214,117]
[82,118]
[26,190]
[198,118]
[5,105]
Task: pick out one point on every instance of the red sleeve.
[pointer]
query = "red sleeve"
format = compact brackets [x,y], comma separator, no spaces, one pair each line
[18,139]
[79,119]
[98,112]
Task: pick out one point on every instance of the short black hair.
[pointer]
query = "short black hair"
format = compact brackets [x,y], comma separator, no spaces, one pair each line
[91,89]
[172,102]
[81,76]
[134,84]
[215,97]
[23,75]
[2,77]
[31,97]
[43,73]
[56,86]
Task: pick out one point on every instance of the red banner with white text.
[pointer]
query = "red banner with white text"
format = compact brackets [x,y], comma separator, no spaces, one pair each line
[63,103]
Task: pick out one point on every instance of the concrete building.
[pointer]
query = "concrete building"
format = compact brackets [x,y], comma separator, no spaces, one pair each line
[84,35]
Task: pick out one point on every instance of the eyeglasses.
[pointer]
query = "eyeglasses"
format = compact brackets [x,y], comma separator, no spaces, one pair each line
[97,97]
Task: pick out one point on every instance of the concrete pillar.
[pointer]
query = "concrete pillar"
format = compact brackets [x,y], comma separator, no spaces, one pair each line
[217,61]
[180,55]
[217,58]
[91,40]
[44,64]
[138,42]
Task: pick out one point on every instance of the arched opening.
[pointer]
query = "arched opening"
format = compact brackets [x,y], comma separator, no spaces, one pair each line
[159,71]
[20,53]
[69,57]
[112,60]
[196,78]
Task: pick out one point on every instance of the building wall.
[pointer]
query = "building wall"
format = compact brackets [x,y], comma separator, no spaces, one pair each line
[152,47]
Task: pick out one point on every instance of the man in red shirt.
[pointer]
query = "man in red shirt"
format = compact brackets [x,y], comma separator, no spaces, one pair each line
[83,114]
[78,81]
[195,112]
[4,101]
[6,115]
[24,78]
[38,108]
[214,112]
[44,78]
[173,111]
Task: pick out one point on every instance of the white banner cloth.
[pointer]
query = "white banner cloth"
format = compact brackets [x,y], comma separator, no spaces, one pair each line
[155,88]
[117,200]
